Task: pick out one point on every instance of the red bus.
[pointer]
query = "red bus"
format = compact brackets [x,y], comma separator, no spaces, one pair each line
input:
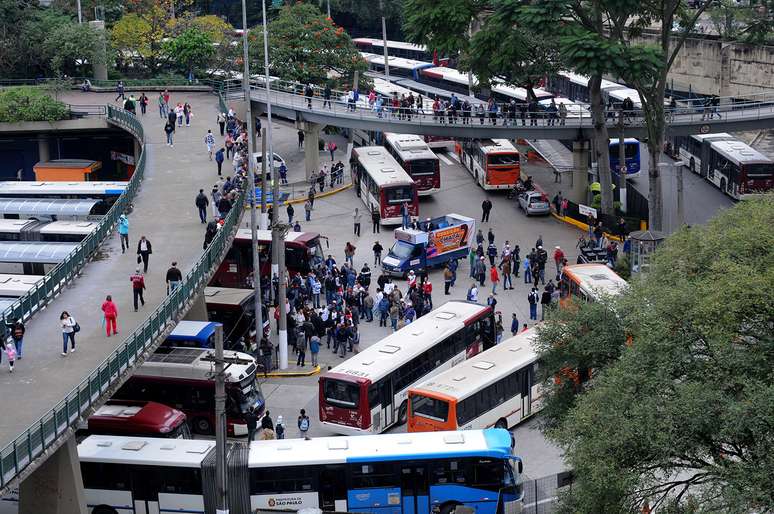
[417,159]
[369,392]
[382,184]
[138,418]
[302,253]
[180,377]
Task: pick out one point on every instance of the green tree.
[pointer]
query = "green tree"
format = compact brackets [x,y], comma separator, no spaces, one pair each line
[135,38]
[305,46]
[682,418]
[729,19]
[30,104]
[71,47]
[190,51]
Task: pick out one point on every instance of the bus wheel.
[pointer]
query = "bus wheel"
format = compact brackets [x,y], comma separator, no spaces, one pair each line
[104,509]
[202,426]
[501,423]
[403,413]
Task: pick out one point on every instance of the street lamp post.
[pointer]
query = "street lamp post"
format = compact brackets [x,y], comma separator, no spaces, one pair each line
[384,40]
[269,160]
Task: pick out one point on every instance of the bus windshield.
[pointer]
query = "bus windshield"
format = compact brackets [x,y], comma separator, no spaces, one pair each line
[244,395]
[341,393]
[630,150]
[431,408]
[422,167]
[315,252]
[759,171]
[399,194]
[503,159]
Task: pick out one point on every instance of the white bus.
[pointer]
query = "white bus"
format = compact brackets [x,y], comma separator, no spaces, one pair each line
[180,378]
[410,473]
[399,66]
[494,163]
[589,282]
[369,392]
[14,286]
[417,159]
[496,388]
[32,189]
[382,184]
[505,93]
[54,231]
[735,168]
[394,48]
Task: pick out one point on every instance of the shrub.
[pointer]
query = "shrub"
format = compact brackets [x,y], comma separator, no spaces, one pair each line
[30,104]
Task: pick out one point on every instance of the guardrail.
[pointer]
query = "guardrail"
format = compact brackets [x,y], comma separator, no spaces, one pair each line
[44,433]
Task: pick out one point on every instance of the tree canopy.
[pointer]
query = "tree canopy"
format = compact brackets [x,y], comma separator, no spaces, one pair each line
[306,46]
[30,104]
[682,418]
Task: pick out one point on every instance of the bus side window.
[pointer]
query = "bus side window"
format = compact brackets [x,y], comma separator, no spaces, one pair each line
[373,474]
[97,475]
[449,472]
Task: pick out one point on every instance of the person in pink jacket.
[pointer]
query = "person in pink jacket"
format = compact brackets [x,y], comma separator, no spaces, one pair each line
[111,315]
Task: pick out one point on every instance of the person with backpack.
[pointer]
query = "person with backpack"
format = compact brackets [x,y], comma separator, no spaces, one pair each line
[472,293]
[303,424]
[533,298]
[279,428]
[17,334]
[69,328]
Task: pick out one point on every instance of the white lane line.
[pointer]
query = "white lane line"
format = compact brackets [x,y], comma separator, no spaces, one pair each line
[444,159]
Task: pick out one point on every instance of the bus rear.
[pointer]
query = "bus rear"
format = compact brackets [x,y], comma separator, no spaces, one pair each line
[503,169]
[430,411]
[756,179]
[344,403]
[391,200]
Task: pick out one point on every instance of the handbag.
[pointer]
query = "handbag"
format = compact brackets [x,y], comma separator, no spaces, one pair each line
[76,328]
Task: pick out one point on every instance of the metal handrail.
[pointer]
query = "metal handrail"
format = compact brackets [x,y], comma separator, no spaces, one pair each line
[44,433]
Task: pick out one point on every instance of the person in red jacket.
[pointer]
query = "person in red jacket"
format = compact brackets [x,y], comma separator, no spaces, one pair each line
[111,315]
[494,276]
[138,285]
[558,259]
[427,290]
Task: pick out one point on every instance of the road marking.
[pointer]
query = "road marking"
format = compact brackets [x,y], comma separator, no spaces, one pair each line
[455,157]
[444,159]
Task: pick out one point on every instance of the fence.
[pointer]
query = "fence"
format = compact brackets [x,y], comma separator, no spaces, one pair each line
[44,433]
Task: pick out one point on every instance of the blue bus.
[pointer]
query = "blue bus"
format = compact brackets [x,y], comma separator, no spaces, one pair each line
[420,473]
[192,334]
[632,153]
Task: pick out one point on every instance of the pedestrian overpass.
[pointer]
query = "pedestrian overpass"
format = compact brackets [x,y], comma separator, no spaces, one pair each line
[48,395]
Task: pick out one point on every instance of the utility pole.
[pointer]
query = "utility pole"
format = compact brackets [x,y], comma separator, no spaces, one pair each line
[622,169]
[80,17]
[329,8]
[384,41]
[257,315]
[270,161]
[279,230]
[221,362]
[678,167]
[264,214]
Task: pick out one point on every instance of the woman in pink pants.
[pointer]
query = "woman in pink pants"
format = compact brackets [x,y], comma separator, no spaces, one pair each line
[111,315]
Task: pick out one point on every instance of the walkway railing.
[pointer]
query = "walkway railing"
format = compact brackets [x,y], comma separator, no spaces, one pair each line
[292,95]
[44,433]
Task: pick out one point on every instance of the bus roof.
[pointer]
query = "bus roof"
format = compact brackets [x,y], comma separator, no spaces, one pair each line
[497,146]
[720,136]
[474,374]
[47,206]
[187,363]
[69,227]
[397,62]
[186,330]
[381,358]
[390,44]
[264,236]
[450,74]
[17,285]
[387,89]
[519,93]
[231,296]
[15,226]
[383,447]
[739,153]
[381,166]
[433,91]
[410,146]
[144,450]
[574,109]
[595,279]
[583,80]
[32,188]
[35,252]
[627,140]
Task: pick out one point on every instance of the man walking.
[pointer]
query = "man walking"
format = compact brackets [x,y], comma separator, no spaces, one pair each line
[201,203]
[123,232]
[377,248]
[300,139]
[209,140]
[291,211]
[174,277]
[219,158]
[120,91]
[486,207]
[533,298]
[138,285]
[375,219]
[308,210]
[144,249]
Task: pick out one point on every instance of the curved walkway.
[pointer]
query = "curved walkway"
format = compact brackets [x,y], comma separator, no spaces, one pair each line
[164,212]
[755,114]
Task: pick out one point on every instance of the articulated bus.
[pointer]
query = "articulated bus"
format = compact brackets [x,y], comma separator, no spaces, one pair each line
[391,474]
[494,163]
[49,232]
[737,169]
[303,252]
[36,189]
[383,185]
[179,377]
[496,388]
[589,283]
[369,392]
[417,159]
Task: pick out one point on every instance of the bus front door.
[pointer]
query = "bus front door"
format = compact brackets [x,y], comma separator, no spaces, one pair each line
[415,494]
[144,492]
[387,403]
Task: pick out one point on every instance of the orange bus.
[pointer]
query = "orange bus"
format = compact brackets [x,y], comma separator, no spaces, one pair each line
[588,282]
[496,388]
[494,163]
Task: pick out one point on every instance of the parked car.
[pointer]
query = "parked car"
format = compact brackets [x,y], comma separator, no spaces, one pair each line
[534,202]
[278,161]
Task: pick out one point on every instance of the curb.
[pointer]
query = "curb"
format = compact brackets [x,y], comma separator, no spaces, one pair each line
[280,374]
[302,200]
[582,226]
